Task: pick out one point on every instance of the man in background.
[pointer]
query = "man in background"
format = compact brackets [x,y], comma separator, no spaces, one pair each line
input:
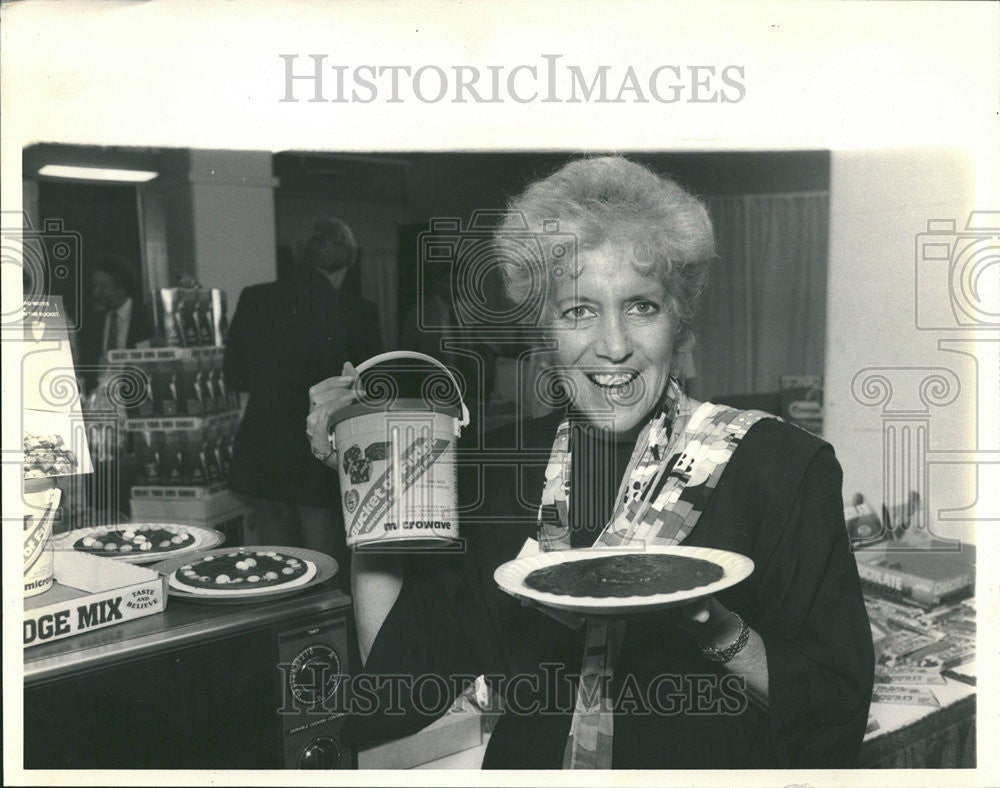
[116,317]
[433,327]
[285,337]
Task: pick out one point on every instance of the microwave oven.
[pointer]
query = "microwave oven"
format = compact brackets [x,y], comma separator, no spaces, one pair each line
[198,686]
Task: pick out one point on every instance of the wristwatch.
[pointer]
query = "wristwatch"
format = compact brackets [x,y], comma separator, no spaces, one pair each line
[725,654]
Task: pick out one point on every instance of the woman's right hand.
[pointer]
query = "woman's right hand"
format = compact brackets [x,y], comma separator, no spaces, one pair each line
[325,399]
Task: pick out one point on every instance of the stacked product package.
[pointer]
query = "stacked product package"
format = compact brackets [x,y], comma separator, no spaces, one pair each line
[181,432]
[916,649]
[198,454]
[190,317]
[183,384]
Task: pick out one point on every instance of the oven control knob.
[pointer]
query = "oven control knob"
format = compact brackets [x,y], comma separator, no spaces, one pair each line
[314,674]
[321,753]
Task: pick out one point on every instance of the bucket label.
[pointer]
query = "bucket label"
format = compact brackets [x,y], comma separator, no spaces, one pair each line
[36,534]
[414,460]
[37,547]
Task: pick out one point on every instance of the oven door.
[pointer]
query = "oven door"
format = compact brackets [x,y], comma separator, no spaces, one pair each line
[223,703]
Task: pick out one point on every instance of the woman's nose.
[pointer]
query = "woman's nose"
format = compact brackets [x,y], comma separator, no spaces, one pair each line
[615,344]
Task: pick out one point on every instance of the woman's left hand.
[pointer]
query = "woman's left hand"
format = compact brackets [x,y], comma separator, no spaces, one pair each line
[709,621]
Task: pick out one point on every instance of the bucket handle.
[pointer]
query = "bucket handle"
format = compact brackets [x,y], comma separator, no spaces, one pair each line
[394,354]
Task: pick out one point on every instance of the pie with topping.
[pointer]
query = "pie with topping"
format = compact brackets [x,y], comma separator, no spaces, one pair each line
[121,541]
[243,571]
[632,574]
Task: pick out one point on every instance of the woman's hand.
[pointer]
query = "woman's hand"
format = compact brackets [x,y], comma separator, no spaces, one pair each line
[325,399]
[707,620]
[714,625]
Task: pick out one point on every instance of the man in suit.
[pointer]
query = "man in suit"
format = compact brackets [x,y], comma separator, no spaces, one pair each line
[116,317]
[284,337]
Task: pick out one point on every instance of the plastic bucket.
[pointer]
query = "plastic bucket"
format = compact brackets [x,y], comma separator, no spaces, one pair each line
[41,501]
[397,458]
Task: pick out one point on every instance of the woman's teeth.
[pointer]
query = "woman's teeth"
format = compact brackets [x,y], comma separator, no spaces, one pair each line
[613,380]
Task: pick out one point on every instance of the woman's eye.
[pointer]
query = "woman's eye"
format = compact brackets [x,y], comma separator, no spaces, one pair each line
[644,308]
[577,312]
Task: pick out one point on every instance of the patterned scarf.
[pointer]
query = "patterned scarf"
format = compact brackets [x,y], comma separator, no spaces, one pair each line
[695,447]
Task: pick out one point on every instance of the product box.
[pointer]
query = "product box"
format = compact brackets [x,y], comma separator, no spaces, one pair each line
[863,525]
[195,470]
[167,387]
[206,327]
[192,388]
[148,446]
[171,459]
[177,316]
[177,504]
[802,401]
[459,729]
[165,304]
[187,311]
[206,508]
[926,578]
[220,321]
[205,367]
[145,408]
[91,593]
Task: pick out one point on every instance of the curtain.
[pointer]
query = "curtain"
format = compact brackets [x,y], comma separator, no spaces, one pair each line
[378,285]
[764,312]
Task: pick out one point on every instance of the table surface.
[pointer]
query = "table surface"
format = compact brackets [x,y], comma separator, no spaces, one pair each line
[182,622]
[893,719]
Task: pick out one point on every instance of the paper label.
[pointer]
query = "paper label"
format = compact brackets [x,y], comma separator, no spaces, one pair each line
[909,696]
[908,675]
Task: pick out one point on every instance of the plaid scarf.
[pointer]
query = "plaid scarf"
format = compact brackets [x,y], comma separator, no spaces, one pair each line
[695,447]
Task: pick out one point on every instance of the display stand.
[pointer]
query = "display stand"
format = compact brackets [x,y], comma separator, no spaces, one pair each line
[181,436]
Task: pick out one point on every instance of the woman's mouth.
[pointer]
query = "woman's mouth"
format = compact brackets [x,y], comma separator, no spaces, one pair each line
[612,380]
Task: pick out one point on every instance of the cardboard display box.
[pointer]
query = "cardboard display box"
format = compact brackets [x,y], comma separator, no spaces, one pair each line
[458,730]
[220,510]
[89,593]
[197,505]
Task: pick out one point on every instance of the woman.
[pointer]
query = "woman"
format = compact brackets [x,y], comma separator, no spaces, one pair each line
[773,672]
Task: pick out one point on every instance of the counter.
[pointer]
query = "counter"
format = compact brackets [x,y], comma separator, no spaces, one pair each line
[182,623]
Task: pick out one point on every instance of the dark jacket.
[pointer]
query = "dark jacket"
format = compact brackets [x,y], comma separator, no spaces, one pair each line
[284,338]
[778,502]
[91,338]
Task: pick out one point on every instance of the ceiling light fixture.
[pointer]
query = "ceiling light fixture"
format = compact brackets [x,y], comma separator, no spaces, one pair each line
[96,173]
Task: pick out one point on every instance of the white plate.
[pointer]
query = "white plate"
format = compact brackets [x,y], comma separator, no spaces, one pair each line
[510,577]
[326,568]
[204,539]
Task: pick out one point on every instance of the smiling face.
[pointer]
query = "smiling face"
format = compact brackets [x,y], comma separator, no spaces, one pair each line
[105,291]
[615,331]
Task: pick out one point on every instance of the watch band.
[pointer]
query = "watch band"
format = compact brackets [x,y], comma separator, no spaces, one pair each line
[725,654]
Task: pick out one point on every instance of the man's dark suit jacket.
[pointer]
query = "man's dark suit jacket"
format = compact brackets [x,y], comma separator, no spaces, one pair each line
[284,338]
[91,338]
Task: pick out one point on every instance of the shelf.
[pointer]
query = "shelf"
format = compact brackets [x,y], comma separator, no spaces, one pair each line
[154,491]
[163,423]
[140,355]
[189,504]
